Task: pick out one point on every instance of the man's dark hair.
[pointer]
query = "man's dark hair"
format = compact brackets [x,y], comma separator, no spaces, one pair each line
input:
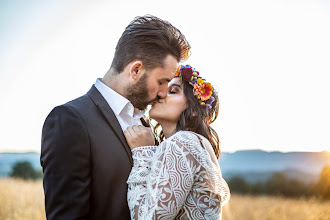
[150,40]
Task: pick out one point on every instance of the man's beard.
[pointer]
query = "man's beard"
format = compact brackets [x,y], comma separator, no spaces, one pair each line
[138,93]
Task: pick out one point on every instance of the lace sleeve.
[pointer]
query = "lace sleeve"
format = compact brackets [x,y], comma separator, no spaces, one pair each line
[158,184]
[141,159]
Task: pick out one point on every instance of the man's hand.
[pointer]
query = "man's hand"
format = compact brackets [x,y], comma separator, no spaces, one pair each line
[138,136]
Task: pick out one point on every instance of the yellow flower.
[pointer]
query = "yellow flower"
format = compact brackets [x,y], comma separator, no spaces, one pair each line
[199,81]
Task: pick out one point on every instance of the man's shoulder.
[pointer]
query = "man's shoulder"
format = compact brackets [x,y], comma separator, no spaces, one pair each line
[75,106]
[84,106]
[83,102]
[78,105]
[79,102]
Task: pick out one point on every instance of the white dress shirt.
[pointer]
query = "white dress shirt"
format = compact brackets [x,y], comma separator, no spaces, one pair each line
[125,112]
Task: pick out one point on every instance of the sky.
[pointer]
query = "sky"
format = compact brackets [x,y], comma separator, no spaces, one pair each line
[268,59]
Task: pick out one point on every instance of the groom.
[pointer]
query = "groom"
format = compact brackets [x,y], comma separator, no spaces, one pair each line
[85,158]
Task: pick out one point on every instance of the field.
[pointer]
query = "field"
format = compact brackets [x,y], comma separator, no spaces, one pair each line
[24,200]
[21,200]
[271,208]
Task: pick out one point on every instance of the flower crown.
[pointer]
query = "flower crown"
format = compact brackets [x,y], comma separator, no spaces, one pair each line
[202,90]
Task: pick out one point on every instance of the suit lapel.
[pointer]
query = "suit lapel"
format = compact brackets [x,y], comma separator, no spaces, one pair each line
[110,117]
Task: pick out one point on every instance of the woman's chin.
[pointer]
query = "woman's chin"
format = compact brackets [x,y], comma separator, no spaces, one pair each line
[152,115]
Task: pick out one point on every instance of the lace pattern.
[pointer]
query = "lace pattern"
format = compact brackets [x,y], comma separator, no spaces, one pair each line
[176,180]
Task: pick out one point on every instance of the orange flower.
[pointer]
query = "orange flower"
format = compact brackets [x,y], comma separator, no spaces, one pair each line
[177,73]
[203,91]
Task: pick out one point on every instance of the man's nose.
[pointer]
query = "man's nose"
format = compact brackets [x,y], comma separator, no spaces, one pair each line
[162,93]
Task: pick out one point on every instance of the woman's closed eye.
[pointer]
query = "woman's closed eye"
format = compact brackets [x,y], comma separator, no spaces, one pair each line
[174,88]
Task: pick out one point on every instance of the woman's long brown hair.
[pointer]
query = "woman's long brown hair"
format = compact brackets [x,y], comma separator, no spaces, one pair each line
[195,118]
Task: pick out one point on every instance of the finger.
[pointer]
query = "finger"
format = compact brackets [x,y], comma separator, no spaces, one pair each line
[135,128]
[127,134]
[130,131]
[141,127]
[143,130]
[150,132]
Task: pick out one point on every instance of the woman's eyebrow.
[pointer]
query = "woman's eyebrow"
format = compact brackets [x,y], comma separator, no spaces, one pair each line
[176,85]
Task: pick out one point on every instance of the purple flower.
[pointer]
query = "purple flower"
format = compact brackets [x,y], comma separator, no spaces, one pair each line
[210,100]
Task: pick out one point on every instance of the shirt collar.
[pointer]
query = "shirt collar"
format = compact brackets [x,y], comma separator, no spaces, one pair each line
[138,113]
[118,103]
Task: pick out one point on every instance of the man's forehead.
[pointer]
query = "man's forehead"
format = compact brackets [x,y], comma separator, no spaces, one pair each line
[171,64]
[165,74]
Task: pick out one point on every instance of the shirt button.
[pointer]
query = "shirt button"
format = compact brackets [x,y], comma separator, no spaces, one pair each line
[129,108]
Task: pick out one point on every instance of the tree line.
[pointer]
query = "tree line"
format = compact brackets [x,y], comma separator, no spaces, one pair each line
[281,185]
[24,170]
[278,184]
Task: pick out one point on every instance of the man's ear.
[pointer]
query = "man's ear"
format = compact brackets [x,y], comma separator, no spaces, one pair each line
[135,69]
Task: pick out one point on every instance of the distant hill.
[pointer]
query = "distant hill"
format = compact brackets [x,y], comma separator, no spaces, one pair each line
[257,165]
[253,165]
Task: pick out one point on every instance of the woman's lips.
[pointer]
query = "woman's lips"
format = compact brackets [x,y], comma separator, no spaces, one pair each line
[155,102]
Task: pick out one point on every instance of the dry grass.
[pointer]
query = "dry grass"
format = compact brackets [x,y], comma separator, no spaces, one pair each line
[25,200]
[21,200]
[271,208]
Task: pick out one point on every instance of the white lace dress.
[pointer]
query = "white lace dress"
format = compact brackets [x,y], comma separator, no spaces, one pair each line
[176,180]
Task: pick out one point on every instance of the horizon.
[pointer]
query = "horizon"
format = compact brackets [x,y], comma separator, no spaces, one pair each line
[274,151]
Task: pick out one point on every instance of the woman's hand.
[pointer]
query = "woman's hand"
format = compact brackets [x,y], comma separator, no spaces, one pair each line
[138,136]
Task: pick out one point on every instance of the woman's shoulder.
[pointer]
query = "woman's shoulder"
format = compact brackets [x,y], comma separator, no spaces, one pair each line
[196,144]
[189,139]
[184,135]
[190,135]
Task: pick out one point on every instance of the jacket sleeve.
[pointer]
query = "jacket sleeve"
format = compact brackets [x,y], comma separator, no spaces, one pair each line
[65,158]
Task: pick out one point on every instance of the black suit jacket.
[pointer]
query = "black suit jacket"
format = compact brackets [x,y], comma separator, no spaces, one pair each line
[86,161]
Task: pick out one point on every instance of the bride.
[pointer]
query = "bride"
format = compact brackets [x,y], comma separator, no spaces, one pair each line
[180,178]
